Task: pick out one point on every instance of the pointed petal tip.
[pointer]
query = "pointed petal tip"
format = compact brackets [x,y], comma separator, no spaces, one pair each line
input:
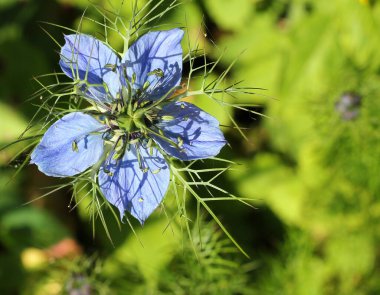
[140,214]
[122,217]
[178,31]
[142,221]
[68,38]
[138,217]
[127,187]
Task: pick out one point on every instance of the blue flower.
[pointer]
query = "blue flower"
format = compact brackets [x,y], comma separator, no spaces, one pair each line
[135,125]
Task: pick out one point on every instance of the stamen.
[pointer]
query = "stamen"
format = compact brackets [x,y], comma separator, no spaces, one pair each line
[74,146]
[114,108]
[157,72]
[150,146]
[112,67]
[167,118]
[144,103]
[140,160]
[133,78]
[180,141]
[119,148]
[146,85]
[106,171]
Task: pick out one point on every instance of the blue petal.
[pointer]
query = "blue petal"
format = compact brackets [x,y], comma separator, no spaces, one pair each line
[85,58]
[130,188]
[195,132]
[69,146]
[159,50]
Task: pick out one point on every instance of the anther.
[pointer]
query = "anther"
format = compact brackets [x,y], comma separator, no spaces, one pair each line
[157,72]
[167,118]
[156,171]
[74,146]
[133,78]
[146,85]
[180,141]
[112,67]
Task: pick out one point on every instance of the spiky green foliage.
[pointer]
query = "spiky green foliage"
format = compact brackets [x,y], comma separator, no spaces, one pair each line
[174,269]
[314,174]
[56,99]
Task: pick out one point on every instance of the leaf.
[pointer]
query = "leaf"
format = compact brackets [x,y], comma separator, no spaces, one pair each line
[230,14]
[150,256]
[267,179]
[30,227]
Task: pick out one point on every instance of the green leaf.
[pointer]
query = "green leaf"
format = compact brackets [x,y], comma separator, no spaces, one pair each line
[149,253]
[230,14]
[30,227]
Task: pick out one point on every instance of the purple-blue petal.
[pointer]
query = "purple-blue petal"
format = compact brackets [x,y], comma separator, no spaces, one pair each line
[129,187]
[154,52]
[196,132]
[85,58]
[69,146]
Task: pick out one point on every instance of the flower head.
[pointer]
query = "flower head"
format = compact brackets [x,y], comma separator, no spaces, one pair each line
[135,125]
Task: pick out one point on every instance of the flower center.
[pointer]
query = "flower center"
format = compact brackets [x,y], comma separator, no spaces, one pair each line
[130,123]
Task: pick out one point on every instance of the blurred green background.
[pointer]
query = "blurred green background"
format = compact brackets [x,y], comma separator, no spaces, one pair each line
[311,166]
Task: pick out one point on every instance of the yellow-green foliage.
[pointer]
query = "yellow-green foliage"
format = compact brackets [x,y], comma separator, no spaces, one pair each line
[312,173]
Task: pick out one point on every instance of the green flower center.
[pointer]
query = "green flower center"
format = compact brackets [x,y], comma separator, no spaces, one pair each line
[130,123]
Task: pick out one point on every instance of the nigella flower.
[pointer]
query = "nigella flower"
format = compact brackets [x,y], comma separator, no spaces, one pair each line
[136,126]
